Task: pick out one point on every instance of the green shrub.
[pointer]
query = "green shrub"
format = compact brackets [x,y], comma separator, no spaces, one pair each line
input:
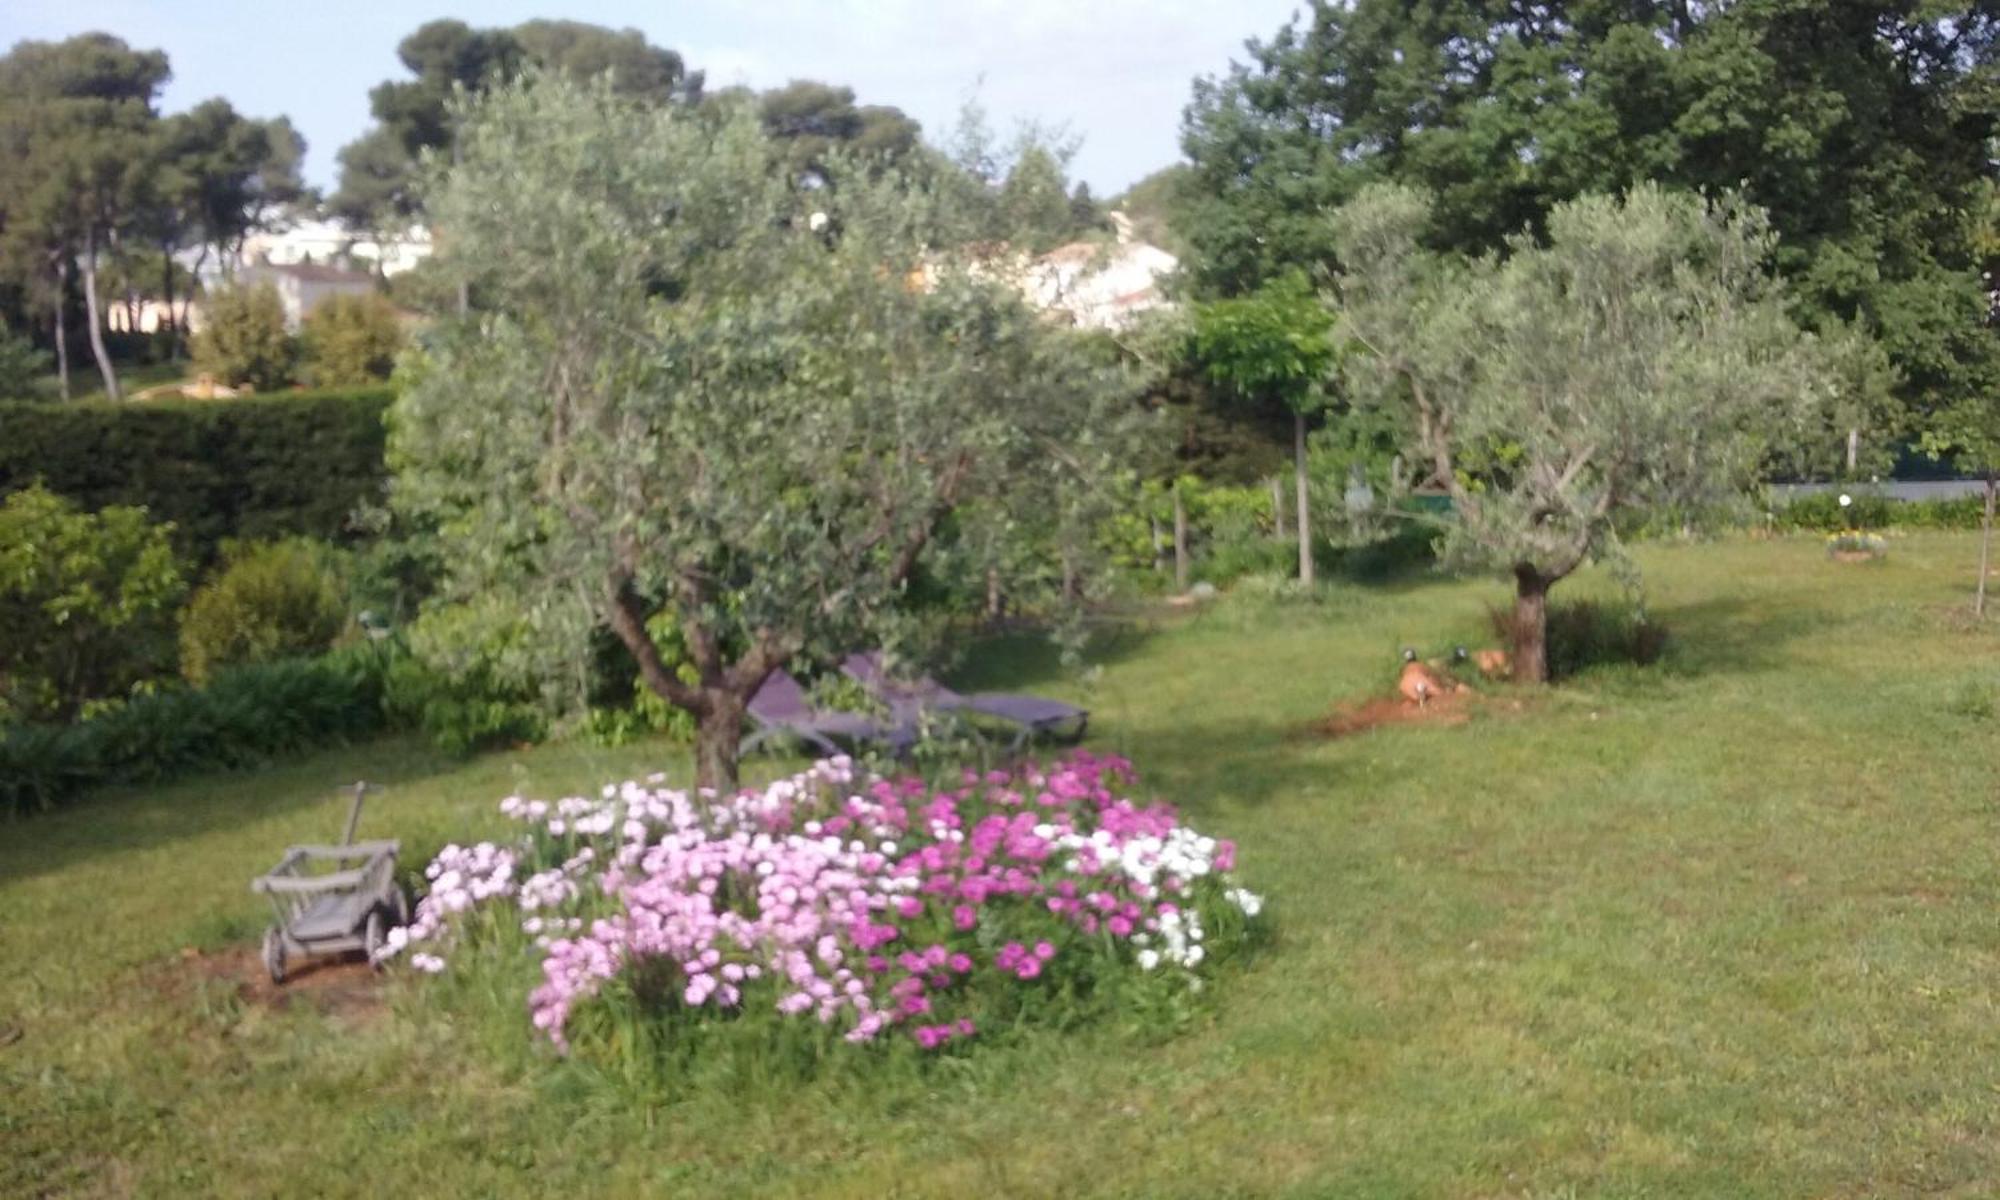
[1589,633]
[349,341]
[247,717]
[260,467]
[21,365]
[475,676]
[87,603]
[1822,512]
[243,339]
[271,600]
[1227,561]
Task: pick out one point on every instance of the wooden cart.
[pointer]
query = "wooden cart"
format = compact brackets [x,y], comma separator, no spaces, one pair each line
[351,906]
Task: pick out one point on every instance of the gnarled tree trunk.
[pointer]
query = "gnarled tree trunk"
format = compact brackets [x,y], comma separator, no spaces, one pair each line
[717,736]
[1531,625]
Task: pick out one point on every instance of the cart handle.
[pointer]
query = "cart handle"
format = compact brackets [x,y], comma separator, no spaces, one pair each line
[361,788]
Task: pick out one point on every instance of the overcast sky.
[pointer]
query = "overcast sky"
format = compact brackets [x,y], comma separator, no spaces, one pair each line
[1117,71]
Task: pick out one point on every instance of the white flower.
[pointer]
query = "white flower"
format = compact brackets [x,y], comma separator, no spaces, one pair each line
[1148,959]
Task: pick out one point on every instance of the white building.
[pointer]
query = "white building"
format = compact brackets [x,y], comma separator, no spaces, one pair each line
[1096,285]
[332,243]
[1100,286]
[303,286]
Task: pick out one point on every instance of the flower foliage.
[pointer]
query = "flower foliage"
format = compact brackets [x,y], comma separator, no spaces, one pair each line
[1856,542]
[874,908]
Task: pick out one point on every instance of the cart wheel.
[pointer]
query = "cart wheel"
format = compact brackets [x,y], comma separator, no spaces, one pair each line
[274,954]
[373,933]
[402,898]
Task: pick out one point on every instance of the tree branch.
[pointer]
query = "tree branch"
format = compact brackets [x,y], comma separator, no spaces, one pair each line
[628,621]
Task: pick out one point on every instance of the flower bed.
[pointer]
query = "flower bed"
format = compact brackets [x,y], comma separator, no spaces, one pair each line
[867,908]
[1852,545]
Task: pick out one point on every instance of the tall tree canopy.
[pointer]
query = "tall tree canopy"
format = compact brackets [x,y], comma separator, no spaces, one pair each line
[97,176]
[378,169]
[686,400]
[78,121]
[1860,127]
[223,174]
[815,120]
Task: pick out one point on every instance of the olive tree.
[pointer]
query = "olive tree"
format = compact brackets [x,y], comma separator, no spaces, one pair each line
[694,391]
[1638,359]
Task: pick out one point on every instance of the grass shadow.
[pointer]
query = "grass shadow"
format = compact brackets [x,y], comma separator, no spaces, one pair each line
[1020,659]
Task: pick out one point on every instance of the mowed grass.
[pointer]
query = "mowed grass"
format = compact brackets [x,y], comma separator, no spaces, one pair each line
[1724,927]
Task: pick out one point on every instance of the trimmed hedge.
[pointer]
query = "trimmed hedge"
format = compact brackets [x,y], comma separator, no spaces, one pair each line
[1821,511]
[259,467]
[249,716]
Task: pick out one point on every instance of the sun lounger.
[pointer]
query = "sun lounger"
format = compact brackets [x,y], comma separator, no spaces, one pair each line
[781,709]
[1030,716]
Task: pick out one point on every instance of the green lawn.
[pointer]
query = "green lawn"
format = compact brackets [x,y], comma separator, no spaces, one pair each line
[1723,928]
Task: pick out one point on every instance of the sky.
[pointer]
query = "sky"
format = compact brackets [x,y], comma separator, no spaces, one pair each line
[1117,72]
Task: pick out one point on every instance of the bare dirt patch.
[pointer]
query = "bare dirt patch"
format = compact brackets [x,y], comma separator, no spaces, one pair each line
[342,985]
[1360,716]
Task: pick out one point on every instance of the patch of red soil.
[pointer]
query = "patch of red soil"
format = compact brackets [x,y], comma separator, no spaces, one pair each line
[1354,717]
[337,984]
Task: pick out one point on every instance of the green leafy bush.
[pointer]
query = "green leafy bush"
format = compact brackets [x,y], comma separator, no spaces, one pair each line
[243,339]
[350,341]
[248,716]
[21,365]
[1822,512]
[269,601]
[257,468]
[474,677]
[87,603]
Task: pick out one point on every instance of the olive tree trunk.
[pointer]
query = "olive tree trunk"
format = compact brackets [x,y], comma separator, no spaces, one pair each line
[1305,502]
[1277,507]
[1180,542]
[718,735]
[1985,547]
[1531,625]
